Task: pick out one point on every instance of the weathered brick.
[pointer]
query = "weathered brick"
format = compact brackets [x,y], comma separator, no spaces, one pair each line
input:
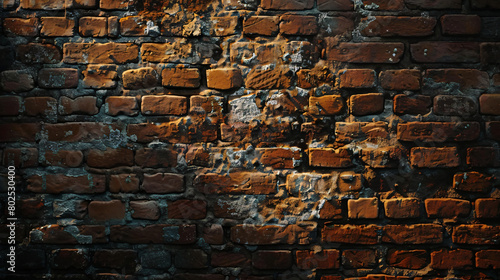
[261,25]
[485,4]
[445,52]
[174,52]
[336,26]
[133,26]
[187,209]
[449,105]
[326,259]
[115,4]
[287,5]
[364,52]
[472,182]
[224,26]
[145,77]
[43,4]
[57,27]
[416,105]
[488,259]
[58,78]
[487,208]
[100,76]
[145,209]
[70,259]
[433,5]
[478,234]
[32,208]
[452,259]
[409,259]
[107,53]
[23,132]
[56,234]
[438,131]
[58,183]
[164,105]
[212,105]
[389,26]
[483,156]
[493,130]
[356,78]
[29,27]
[78,131]
[350,182]
[229,259]
[121,105]
[123,260]
[447,207]
[366,104]
[405,79]
[113,27]
[70,208]
[10,105]
[413,234]
[16,81]
[38,53]
[83,105]
[275,259]
[326,105]
[213,234]
[351,234]
[123,183]
[329,157]
[402,208]
[110,158]
[156,234]
[181,77]
[489,104]
[274,78]
[336,5]
[298,25]
[191,258]
[163,183]
[358,258]
[224,78]
[93,26]
[236,183]
[148,157]
[362,208]
[461,24]
[384,5]
[40,106]
[300,233]
[20,157]
[466,78]
[435,157]
[106,210]
[347,132]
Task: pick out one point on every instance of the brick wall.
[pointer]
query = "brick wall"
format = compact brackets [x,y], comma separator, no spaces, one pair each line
[253,140]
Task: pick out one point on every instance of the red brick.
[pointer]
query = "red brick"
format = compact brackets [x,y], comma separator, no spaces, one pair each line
[416,105]
[122,260]
[10,105]
[107,210]
[390,26]
[38,53]
[336,26]
[82,3]
[384,5]
[58,183]
[365,52]
[351,234]
[438,131]
[107,53]
[452,259]
[156,234]
[476,234]
[326,105]
[356,78]
[366,104]
[409,259]
[229,259]
[213,234]
[490,53]
[164,105]
[447,208]
[145,77]
[83,105]
[386,157]
[435,157]
[298,25]
[493,130]
[413,234]
[43,4]
[70,208]
[121,105]
[113,27]
[488,259]
[56,234]
[350,182]
[329,157]
[115,4]
[16,81]
[274,78]
[300,233]
[358,258]
[483,156]
[145,209]
[29,27]
[236,183]
[78,131]
[170,52]
[181,77]
[133,26]
[466,78]
[402,208]
[20,157]
[405,79]
[485,4]
[32,208]
[445,52]
[9,4]
[325,259]
[487,208]
[110,158]
[191,258]
[224,26]
[212,105]
[489,104]
[70,259]
[163,183]
[336,5]
[100,76]
[362,208]
[461,24]
[57,27]
[279,259]
[23,132]
[93,26]
[224,78]
[126,183]
[58,78]
[346,132]
[449,105]
[148,157]
[279,157]
[472,182]
[261,25]
[287,4]
[434,5]
[187,209]
[206,276]
[40,106]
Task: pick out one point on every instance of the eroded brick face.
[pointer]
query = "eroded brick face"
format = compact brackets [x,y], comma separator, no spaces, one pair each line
[251,139]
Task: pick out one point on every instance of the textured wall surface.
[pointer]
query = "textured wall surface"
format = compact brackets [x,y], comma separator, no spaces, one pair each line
[253,140]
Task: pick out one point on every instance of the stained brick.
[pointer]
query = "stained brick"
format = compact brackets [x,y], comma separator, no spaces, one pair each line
[279,259]
[70,259]
[66,158]
[493,130]
[84,105]
[419,104]
[24,132]
[447,207]
[93,26]
[229,259]
[148,157]
[274,78]
[57,27]
[224,78]
[466,78]
[356,78]
[78,131]
[488,259]
[106,210]
[326,105]
[43,4]
[300,233]
[490,53]
[326,259]
[191,258]
[461,24]
[145,77]
[107,53]
[478,234]
[329,157]
[485,4]
[55,234]
[472,182]
[38,53]
[115,4]
[351,234]
[261,25]
[57,78]
[487,208]
[16,81]
[448,259]
[70,208]
[58,183]
[431,5]
[298,25]
[409,259]
[445,52]
[483,156]
[366,104]
[287,5]
[362,208]
[100,76]
[337,5]
[236,183]
[358,258]
[384,5]
[21,27]
[435,157]
[438,131]
[347,132]
[163,183]
[413,234]
[388,26]
[400,79]
[156,234]
[40,106]
[123,260]
[145,209]
[164,105]
[365,52]
[118,105]
[225,26]
[20,157]
[489,104]
[10,105]
[181,77]
[402,208]
[187,209]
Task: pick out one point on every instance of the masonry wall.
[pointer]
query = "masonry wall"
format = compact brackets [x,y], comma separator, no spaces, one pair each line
[253,140]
